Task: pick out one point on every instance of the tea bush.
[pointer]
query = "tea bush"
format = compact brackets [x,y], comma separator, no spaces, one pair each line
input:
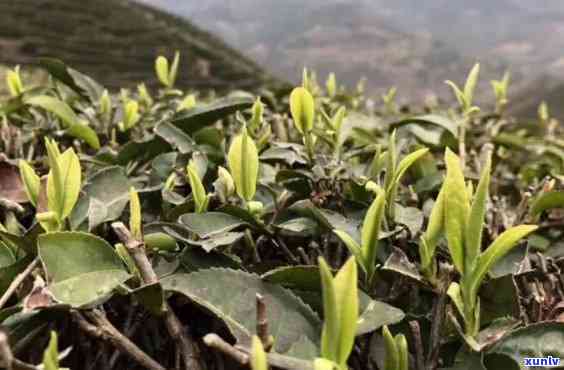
[306,229]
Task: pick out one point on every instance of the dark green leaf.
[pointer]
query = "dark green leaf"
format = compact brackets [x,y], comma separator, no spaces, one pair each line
[209,288]
[82,268]
[194,119]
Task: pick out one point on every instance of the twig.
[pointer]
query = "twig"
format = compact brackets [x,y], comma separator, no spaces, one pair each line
[215,341]
[303,254]
[262,323]
[280,244]
[419,356]
[104,330]
[136,248]
[6,356]
[129,330]
[17,281]
[437,321]
[242,355]
[7,359]
[12,206]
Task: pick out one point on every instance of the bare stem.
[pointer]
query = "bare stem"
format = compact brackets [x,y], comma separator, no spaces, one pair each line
[262,323]
[17,282]
[185,343]
[7,359]
[419,356]
[242,355]
[101,328]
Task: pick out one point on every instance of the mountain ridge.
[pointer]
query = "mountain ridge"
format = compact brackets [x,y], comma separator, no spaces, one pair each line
[117,43]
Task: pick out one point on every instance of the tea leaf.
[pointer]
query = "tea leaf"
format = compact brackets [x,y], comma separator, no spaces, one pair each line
[455,295]
[14,81]
[243,163]
[346,292]
[68,117]
[173,69]
[473,242]
[371,230]
[198,190]
[499,248]
[392,354]
[302,107]
[456,209]
[161,68]
[471,82]
[458,93]
[199,117]
[209,287]
[55,106]
[83,268]
[256,119]
[51,354]
[353,247]
[403,353]
[210,223]
[31,182]
[541,339]
[332,320]
[110,187]
[135,214]
[436,222]
[63,182]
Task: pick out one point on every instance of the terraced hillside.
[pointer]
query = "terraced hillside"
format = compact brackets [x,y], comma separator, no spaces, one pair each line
[116,42]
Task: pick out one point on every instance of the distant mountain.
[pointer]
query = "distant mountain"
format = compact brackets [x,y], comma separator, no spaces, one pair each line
[414,44]
[117,41]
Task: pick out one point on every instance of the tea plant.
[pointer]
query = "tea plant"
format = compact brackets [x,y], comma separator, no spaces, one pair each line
[154,228]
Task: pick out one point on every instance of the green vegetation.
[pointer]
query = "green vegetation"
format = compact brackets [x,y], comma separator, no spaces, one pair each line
[296,229]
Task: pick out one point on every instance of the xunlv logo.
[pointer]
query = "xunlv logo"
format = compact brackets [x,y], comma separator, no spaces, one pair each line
[541,361]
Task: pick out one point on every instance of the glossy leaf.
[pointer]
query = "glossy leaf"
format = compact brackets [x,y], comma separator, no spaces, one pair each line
[456,209]
[353,247]
[209,287]
[456,296]
[210,223]
[403,353]
[63,183]
[195,119]
[31,181]
[346,292]
[135,215]
[198,191]
[67,116]
[371,230]
[244,164]
[392,354]
[471,82]
[302,107]
[404,165]
[161,68]
[108,187]
[331,314]
[173,72]
[535,340]
[499,248]
[473,240]
[82,268]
